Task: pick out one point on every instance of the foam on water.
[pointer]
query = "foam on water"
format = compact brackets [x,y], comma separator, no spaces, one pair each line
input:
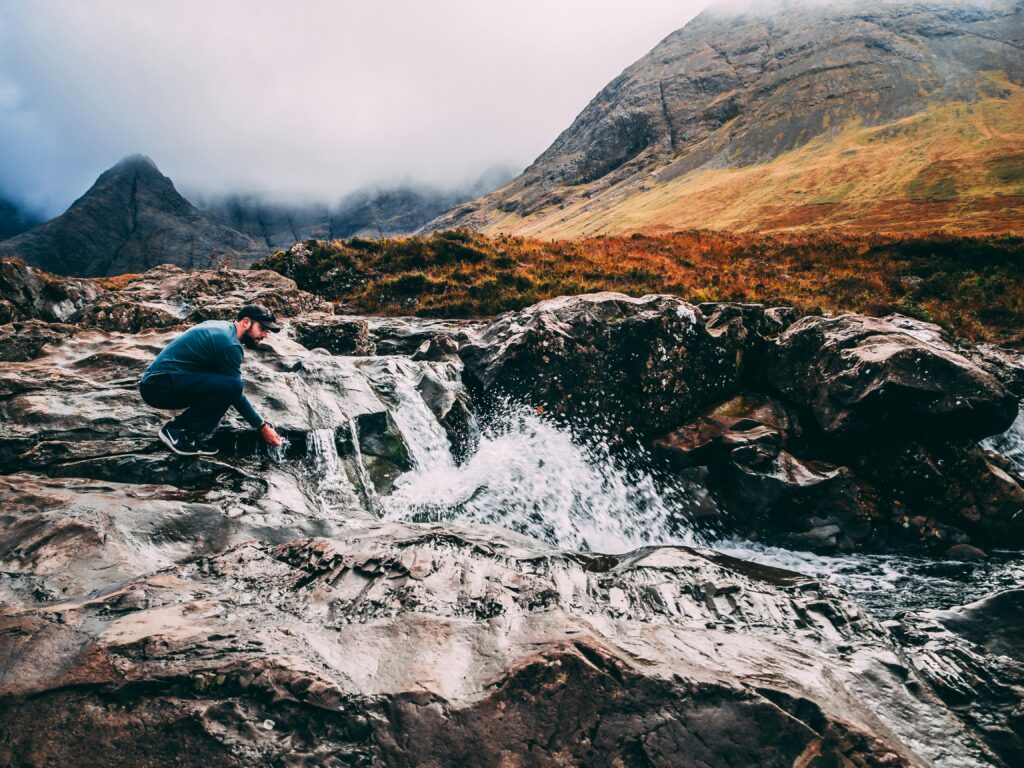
[1011,443]
[528,475]
[886,584]
[531,476]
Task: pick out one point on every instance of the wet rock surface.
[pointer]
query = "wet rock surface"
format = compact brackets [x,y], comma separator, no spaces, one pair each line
[337,335]
[386,644]
[167,296]
[637,365]
[405,335]
[859,375]
[833,433]
[262,607]
[971,656]
[27,293]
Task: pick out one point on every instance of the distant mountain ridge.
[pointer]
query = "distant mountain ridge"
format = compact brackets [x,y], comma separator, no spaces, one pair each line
[133,218]
[670,142]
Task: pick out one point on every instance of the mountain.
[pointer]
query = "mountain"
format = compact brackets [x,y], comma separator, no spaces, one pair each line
[131,219]
[385,212]
[14,219]
[880,115]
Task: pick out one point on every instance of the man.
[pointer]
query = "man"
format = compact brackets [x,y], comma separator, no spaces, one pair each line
[201,370]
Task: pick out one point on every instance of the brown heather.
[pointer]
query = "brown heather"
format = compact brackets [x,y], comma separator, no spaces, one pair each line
[973,286]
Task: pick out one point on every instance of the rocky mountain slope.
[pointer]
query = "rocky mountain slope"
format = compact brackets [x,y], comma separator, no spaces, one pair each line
[131,219]
[256,608]
[887,115]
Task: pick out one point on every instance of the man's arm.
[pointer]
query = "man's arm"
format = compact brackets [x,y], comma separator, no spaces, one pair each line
[230,364]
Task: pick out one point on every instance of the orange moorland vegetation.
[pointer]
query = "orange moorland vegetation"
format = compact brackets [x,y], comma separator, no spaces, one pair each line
[974,286]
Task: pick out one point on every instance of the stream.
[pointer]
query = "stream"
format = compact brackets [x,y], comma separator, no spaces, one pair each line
[529,475]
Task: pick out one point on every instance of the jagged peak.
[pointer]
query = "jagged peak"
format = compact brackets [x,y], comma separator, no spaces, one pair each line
[137,160]
[133,167]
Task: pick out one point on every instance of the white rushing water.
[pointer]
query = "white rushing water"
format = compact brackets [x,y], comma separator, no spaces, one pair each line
[333,485]
[529,476]
[1011,443]
[424,436]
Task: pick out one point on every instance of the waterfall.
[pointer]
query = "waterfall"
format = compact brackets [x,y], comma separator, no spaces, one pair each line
[1011,443]
[424,436]
[369,491]
[528,475]
[333,485]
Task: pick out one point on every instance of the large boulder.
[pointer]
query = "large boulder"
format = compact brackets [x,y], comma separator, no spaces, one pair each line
[636,365]
[405,335]
[166,296]
[1004,363]
[30,293]
[747,328]
[864,378]
[747,446]
[941,491]
[338,335]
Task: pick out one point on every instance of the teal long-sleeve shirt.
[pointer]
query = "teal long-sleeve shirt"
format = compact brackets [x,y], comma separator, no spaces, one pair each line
[210,347]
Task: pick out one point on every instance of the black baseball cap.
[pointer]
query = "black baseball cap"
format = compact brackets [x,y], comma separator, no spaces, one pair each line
[261,315]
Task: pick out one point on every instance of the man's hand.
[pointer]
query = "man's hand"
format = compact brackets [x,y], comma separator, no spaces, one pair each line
[269,435]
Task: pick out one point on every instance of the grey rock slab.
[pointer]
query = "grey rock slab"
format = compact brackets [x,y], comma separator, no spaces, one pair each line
[400,633]
[405,335]
[30,293]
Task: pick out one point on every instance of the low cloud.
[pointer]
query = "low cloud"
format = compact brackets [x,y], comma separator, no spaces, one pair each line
[303,101]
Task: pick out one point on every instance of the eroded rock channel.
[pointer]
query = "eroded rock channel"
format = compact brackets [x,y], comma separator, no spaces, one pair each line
[500,543]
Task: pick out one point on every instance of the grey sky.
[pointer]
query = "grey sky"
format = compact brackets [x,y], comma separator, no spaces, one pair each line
[307,99]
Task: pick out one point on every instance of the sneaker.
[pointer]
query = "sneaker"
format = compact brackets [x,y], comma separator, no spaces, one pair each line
[183,443]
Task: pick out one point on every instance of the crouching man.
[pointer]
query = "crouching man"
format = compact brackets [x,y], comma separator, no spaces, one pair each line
[201,370]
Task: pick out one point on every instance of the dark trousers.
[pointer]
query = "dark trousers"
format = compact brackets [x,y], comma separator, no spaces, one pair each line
[206,395]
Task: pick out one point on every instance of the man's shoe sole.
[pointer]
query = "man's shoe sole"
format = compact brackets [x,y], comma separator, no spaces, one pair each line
[167,441]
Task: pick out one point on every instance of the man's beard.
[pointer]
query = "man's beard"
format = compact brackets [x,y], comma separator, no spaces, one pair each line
[249,341]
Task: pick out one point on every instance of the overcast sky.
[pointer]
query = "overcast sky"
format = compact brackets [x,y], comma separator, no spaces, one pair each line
[307,99]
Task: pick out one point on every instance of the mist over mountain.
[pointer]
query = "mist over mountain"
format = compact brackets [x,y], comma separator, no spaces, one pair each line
[381,212]
[14,219]
[873,114]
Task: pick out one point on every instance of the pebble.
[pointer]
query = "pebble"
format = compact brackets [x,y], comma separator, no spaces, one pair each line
[965,552]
